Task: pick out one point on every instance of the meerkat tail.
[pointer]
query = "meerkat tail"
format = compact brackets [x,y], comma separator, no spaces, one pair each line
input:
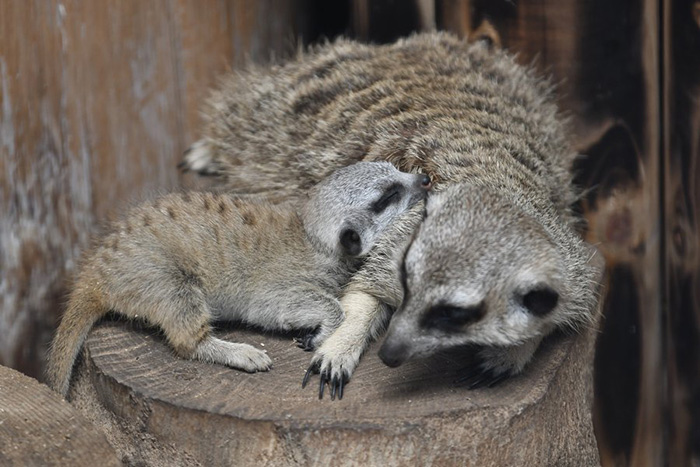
[80,316]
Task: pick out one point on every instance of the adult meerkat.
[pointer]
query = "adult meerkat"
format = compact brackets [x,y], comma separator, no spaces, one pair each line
[186,260]
[498,261]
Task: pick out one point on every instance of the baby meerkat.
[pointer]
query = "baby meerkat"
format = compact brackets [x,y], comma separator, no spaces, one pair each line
[498,261]
[187,260]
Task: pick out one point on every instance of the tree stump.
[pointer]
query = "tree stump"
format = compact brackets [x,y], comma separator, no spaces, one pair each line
[37,427]
[177,411]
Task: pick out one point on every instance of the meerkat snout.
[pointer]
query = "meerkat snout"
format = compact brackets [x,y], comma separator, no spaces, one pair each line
[394,353]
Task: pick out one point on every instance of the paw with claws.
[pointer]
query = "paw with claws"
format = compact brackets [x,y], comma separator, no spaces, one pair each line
[496,364]
[477,377]
[307,342]
[334,370]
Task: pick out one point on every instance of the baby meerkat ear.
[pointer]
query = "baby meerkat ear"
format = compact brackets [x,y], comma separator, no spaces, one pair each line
[351,242]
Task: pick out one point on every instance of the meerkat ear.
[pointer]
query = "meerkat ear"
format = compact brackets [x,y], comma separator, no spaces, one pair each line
[351,242]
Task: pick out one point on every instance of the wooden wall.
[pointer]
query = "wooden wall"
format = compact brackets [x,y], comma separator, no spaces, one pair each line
[98,100]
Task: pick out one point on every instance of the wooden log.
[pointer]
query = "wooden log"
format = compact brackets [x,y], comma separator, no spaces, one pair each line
[37,427]
[413,415]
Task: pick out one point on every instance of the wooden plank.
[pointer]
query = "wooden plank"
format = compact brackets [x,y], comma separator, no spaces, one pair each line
[37,427]
[681,159]
[412,415]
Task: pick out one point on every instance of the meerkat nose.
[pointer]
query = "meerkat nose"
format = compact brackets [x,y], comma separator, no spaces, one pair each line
[425,182]
[393,353]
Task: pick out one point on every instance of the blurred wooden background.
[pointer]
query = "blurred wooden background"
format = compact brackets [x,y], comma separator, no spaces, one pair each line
[98,100]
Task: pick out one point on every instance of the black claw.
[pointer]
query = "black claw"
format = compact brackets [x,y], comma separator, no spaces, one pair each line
[305,342]
[313,368]
[334,387]
[478,377]
[479,382]
[498,379]
[322,386]
[471,375]
[341,385]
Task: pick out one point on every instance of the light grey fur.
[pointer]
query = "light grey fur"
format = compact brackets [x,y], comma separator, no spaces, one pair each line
[186,260]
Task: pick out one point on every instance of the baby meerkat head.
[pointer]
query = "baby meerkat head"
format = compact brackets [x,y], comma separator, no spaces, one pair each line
[347,212]
[483,270]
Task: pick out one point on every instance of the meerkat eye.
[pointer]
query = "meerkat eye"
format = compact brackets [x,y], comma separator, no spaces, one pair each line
[351,242]
[452,318]
[391,195]
[541,300]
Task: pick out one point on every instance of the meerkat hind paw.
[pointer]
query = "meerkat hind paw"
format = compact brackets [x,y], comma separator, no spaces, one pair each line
[239,356]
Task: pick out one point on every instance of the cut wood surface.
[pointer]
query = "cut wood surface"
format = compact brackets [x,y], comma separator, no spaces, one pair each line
[413,415]
[37,427]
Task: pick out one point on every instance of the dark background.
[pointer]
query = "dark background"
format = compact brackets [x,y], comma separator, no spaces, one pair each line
[99,99]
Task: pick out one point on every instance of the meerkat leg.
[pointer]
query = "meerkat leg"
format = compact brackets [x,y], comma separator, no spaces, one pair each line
[368,301]
[337,358]
[186,319]
[303,308]
[240,356]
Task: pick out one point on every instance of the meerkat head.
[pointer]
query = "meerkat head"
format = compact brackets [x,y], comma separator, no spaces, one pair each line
[483,270]
[348,211]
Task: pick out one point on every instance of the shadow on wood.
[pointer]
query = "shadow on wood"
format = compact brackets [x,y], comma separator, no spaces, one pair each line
[170,410]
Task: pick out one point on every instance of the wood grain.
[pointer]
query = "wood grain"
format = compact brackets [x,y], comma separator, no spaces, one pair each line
[681,156]
[37,427]
[410,415]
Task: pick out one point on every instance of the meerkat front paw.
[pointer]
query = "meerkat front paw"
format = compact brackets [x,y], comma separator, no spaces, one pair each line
[495,364]
[307,342]
[335,368]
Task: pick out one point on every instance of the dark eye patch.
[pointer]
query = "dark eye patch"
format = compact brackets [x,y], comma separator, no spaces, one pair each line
[450,318]
[390,196]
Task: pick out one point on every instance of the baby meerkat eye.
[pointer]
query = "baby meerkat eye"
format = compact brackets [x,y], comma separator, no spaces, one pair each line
[351,242]
[541,300]
[452,318]
[391,195]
